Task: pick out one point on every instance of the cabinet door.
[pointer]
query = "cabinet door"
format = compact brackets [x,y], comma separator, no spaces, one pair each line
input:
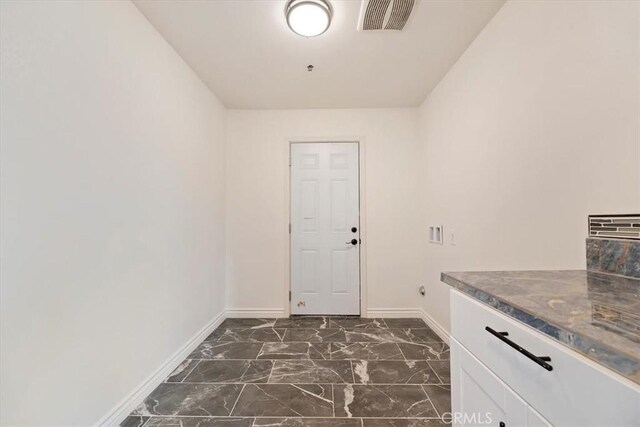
[534,419]
[577,392]
[478,397]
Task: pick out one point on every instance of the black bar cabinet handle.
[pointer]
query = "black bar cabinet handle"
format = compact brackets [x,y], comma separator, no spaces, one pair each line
[540,360]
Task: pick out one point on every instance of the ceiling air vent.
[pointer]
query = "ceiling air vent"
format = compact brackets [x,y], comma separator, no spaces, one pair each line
[384,14]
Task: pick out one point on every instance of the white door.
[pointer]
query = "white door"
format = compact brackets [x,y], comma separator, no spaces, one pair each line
[325,228]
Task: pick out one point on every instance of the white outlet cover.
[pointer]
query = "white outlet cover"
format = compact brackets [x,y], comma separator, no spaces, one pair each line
[436,234]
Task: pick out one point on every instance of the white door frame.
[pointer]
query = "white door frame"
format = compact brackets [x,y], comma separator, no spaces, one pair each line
[363,218]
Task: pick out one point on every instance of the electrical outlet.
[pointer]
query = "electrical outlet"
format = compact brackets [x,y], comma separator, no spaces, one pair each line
[436,234]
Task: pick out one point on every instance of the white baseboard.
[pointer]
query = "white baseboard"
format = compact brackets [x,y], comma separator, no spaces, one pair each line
[411,312]
[262,313]
[394,312]
[437,327]
[116,415]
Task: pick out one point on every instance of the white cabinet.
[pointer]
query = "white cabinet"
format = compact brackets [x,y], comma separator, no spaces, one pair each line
[534,419]
[479,397]
[571,391]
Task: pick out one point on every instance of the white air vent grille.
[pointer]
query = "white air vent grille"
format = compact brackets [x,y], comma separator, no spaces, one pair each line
[374,14]
[377,15]
[399,14]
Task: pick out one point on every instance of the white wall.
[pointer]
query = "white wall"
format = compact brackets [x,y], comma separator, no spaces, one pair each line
[112,208]
[113,185]
[257,170]
[535,127]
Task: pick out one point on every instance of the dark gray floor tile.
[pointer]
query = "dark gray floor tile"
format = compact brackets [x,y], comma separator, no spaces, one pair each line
[382,401]
[402,422]
[365,351]
[443,370]
[252,335]
[314,335]
[173,399]
[405,323]
[285,400]
[230,371]
[309,367]
[248,323]
[199,422]
[295,350]
[314,322]
[226,350]
[357,323]
[216,334]
[425,351]
[311,372]
[376,335]
[422,335]
[308,422]
[394,372]
[440,396]
[181,371]
[134,421]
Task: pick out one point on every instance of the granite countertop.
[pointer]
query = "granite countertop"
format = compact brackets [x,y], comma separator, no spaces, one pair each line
[595,314]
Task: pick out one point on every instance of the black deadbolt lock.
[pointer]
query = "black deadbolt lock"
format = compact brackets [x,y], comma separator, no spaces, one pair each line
[353,229]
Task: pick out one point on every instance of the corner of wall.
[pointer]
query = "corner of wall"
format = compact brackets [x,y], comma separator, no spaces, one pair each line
[118,413]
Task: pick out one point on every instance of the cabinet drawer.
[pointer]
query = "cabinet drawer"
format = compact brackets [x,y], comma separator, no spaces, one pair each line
[576,392]
[479,397]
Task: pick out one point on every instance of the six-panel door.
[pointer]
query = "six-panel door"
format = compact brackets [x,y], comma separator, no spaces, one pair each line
[325,228]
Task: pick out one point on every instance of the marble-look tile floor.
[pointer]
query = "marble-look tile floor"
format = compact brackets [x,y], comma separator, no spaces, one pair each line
[307,371]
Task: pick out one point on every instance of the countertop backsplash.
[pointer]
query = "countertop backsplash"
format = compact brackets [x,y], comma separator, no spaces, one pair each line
[613,245]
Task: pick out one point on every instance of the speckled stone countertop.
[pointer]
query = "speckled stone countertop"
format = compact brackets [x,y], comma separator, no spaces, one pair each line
[595,314]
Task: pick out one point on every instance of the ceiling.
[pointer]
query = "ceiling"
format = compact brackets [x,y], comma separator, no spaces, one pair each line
[244,51]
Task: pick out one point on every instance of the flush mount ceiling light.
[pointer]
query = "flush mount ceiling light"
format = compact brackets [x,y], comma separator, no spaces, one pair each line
[308,18]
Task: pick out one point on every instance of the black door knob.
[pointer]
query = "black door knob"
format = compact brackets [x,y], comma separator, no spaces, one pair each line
[353,242]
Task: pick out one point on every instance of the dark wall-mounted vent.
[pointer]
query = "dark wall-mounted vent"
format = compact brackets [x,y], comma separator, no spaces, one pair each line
[615,226]
[385,14]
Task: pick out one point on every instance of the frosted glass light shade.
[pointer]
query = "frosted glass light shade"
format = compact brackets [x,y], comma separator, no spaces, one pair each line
[308,18]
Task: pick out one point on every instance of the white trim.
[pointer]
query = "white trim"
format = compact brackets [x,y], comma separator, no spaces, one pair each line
[262,313]
[437,327]
[394,312]
[411,312]
[116,415]
[361,140]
